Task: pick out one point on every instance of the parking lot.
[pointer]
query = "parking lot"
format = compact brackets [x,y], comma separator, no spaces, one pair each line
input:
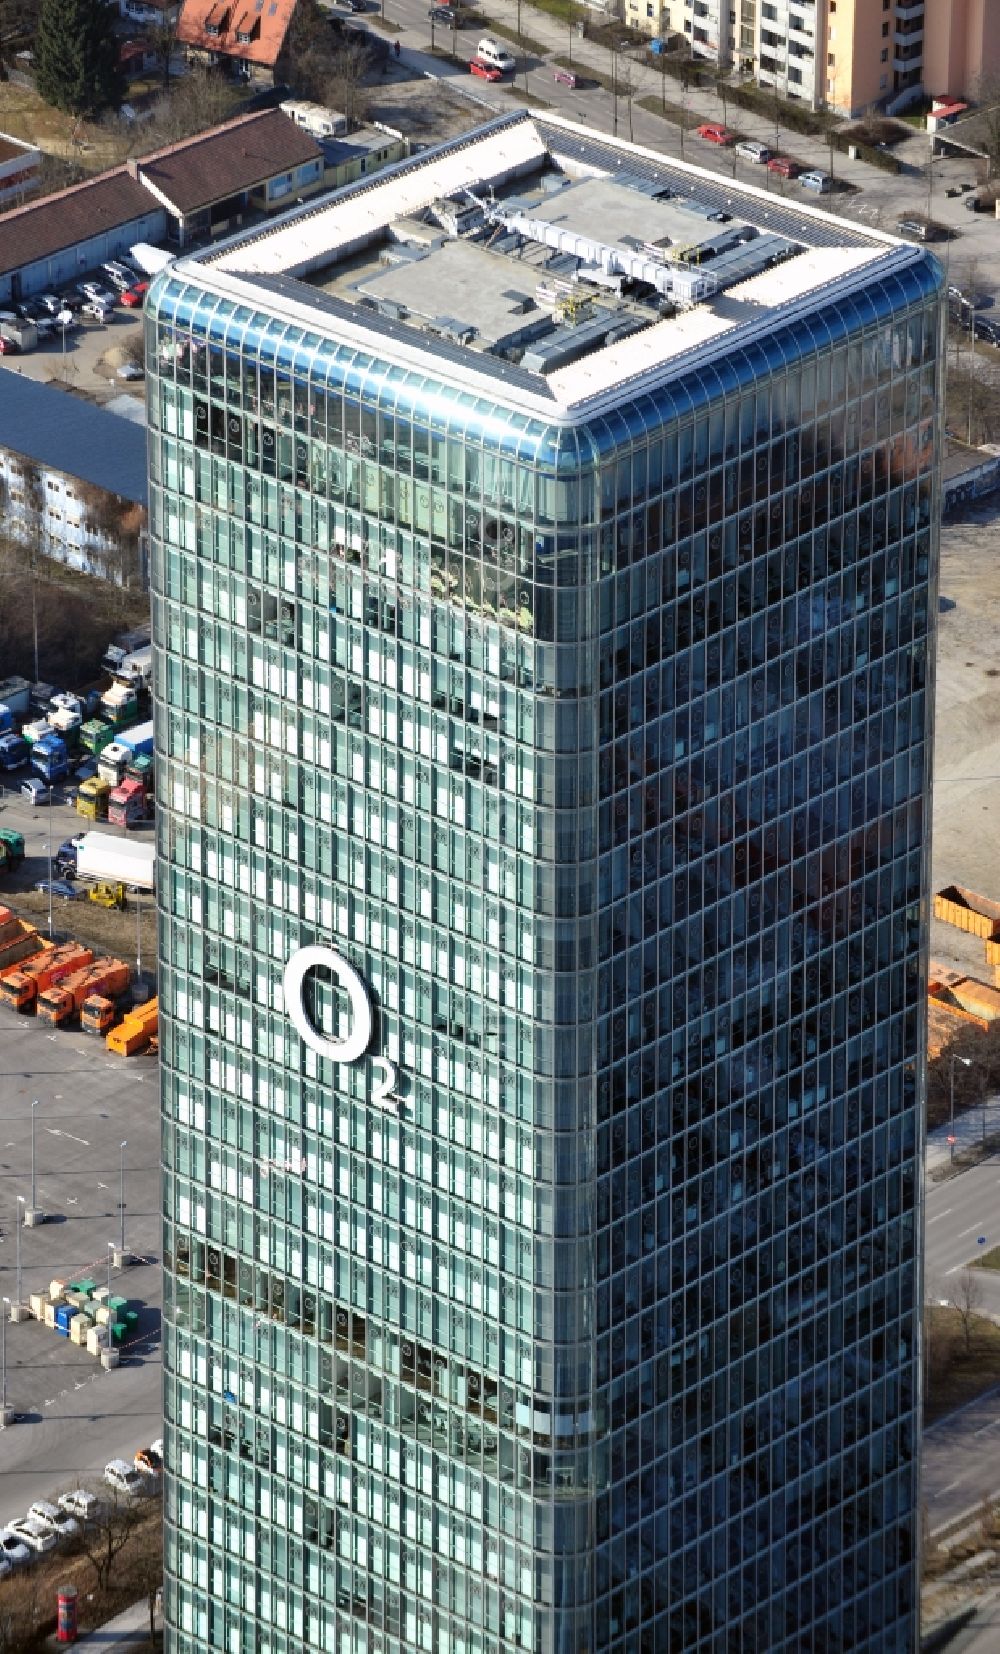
[74,1417]
[87,356]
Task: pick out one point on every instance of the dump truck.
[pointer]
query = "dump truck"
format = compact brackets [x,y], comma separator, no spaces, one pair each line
[92,798]
[95,735]
[136,1031]
[19,940]
[22,986]
[11,849]
[120,860]
[99,1013]
[61,1002]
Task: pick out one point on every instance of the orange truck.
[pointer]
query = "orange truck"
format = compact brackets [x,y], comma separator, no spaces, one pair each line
[137,1031]
[61,1002]
[19,940]
[22,986]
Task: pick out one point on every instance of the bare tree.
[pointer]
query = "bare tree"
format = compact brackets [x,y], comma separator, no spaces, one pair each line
[966,1299]
[988,98]
[105,1535]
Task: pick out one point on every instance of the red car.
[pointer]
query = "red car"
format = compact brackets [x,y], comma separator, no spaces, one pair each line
[716,134]
[784,166]
[8,347]
[485,71]
[134,296]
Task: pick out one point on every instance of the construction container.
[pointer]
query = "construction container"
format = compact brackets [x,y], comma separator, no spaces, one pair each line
[50,1315]
[101,1294]
[967,911]
[37,1305]
[106,1316]
[109,1359]
[118,1330]
[120,1305]
[97,1339]
[978,998]
[79,1328]
[131,1319]
[56,1290]
[79,1300]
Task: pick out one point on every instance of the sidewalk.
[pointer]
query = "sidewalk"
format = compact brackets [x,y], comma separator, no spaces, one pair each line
[128,1631]
[967,1131]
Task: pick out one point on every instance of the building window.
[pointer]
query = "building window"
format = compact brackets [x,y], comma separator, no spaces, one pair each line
[884,57]
[885,31]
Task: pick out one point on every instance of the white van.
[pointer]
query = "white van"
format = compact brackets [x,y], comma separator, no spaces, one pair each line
[751,150]
[496,55]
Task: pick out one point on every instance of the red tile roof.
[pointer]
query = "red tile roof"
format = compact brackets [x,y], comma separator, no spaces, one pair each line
[225,160]
[215,26]
[45,227]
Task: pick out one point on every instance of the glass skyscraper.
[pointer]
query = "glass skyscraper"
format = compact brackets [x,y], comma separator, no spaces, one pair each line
[544,563]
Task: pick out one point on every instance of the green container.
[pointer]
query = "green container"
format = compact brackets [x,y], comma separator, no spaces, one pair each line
[86,1286]
[117,1331]
[118,1305]
[131,1318]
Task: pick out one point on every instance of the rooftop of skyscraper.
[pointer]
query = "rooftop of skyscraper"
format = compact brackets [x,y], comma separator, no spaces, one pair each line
[561,263]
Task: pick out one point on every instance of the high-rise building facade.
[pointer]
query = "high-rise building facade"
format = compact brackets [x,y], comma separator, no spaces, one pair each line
[544,557]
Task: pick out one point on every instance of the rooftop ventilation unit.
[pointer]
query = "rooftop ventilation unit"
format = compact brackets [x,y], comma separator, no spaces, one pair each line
[568,344]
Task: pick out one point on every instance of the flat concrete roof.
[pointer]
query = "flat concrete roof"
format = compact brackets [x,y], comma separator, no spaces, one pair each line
[580,262]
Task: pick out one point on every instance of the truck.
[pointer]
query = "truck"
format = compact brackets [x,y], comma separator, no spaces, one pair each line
[11,848]
[129,804]
[92,798]
[66,723]
[19,940]
[137,667]
[16,693]
[119,860]
[40,698]
[21,987]
[14,751]
[7,724]
[125,644]
[115,758]
[50,759]
[122,704]
[61,1002]
[36,730]
[136,1031]
[23,334]
[95,735]
[65,857]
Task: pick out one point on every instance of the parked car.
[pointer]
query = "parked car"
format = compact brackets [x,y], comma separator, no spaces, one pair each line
[85,770]
[157,1448]
[921,229]
[119,275]
[93,292]
[124,1478]
[820,183]
[442,14]
[784,166]
[78,1502]
[71,302]
[485,71]
[714,134]
[35,1536]
[36,792]
[55,1520]
[148,1463]
[8,347]
[750,150]
[986,329]
[97,309]
[135,296]
[15,1550]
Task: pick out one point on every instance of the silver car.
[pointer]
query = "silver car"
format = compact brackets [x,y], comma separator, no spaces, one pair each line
[53,1519]
[13,1549]
[34,1535]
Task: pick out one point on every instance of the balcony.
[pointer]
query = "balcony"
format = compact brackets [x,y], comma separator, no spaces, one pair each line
[907,37]
[908,9]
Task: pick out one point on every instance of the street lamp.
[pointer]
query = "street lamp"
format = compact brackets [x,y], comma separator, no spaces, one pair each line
[31,1216]
[951,1116]
[121,1202]
[6,1414]
[111,1253]
[20,1220]
[50,867]
[138,932]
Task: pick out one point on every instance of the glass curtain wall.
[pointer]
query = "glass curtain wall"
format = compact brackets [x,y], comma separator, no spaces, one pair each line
[601,752]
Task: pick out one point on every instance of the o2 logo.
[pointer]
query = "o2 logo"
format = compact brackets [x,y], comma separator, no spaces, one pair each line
[362,1027]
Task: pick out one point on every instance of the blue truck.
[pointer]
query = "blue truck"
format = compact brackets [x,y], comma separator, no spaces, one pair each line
[14,751]
[50,759]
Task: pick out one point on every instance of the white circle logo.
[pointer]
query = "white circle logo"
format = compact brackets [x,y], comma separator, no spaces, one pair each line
[362,1020]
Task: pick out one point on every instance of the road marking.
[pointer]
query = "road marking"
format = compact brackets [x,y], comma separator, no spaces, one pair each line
[956,1269]
[984,1427]
[102,1185]
[54,1131]
[950,1486]
[51,1403]
[971,1231]
[938,1218]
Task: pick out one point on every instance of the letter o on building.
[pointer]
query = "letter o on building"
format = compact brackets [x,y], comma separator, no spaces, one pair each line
[362,1024]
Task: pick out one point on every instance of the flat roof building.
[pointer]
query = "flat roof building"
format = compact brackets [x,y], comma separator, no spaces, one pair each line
[543,563]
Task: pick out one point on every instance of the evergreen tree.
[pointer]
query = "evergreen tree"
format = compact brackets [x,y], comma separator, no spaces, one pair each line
[76,56]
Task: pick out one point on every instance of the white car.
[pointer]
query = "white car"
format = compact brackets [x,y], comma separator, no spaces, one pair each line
[78,1502]
[119,276]
[36,792]
[97,294]
[13,1549]
[55,1520]
[37,1537]
[157,1448]
[124,1478]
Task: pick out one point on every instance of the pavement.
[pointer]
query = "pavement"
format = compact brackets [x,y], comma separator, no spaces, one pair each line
[74,1416]
[126,1632]
[77,365]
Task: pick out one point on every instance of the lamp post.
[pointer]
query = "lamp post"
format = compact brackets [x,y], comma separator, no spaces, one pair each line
[121,1202]
[6,1413]
[111,1254]
[951,1113]
[20,1219]
[50,868]
[138,932]
[31,1213]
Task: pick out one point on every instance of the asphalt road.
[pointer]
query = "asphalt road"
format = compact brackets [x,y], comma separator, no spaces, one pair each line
[74,1416]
